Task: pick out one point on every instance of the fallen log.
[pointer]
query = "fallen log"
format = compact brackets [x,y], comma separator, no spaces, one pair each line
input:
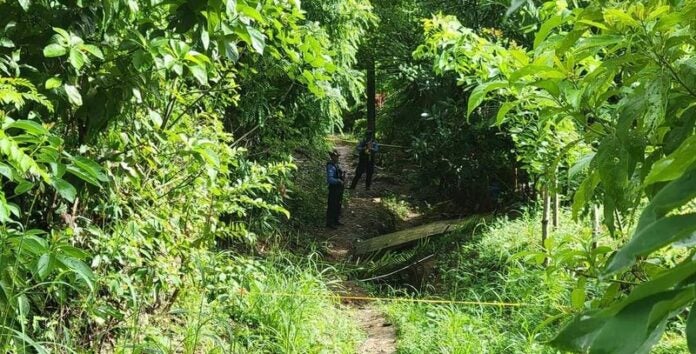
[415,233]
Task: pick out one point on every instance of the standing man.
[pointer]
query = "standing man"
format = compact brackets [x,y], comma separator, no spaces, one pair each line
[334,178]
[367,149]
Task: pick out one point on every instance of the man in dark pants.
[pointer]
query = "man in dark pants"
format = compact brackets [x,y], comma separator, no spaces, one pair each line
[367,149]
[334,178]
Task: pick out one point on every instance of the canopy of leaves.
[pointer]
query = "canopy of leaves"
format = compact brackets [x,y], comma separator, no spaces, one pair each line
[614,76]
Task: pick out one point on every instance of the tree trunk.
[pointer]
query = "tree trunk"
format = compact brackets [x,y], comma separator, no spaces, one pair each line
[371,93]
[545,220]
[595,225]
[556,204]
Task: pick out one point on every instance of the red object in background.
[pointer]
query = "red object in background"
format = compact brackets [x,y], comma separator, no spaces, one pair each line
[379,100]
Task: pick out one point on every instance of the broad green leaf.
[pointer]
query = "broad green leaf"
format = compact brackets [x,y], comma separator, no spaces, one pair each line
[585,192]
[14,209]
[205,38]
[94,50]
[29,126]
[546,28]
[250,12]
[593,24]
[79,173]
[197,58]
[73,94]
[691,329]
[231,50]
[651,238]
[581,165]
[77,59]
[503,111]
[45,266]
[79,268]
[6,42]
[670,197]
[258,39]
[200,73]
[550,85]
[25,4]
[597,42]
[541,71]
[54,50]
[479,94]
[7,171]
[72,252]
[620,16]
[514,6]
[65,189]
[625,328]
[155,118]
[640,324]
[577,298]
[53,82]
[23,187]
[673,166]
[671,279]
[657,12]
[4,209]
[31,244]
[231,7]
[90,167]
[610,294]
[63,33]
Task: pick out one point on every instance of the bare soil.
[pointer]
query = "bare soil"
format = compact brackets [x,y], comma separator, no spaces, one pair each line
[364,217]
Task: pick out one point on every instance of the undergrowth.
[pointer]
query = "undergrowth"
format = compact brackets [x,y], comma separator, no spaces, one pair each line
[239,304]
[504,263]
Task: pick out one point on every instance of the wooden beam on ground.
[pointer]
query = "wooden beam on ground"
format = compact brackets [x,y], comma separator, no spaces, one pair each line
[413,234]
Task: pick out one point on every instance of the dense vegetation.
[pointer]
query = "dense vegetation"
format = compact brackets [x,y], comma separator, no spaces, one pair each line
[161,171]
[139,139]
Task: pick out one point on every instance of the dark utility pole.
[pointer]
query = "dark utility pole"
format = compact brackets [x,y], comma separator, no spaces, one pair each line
[371,93]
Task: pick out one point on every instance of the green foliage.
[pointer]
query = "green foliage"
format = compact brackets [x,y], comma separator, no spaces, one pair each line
[456,159]
[614,75]
[502,264]
[138,137]
[235,304]
[399,207]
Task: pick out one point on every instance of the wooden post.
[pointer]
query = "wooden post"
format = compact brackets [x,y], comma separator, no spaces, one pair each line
[545,220]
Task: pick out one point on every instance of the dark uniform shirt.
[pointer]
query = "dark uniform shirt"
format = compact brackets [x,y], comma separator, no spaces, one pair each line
[334,174]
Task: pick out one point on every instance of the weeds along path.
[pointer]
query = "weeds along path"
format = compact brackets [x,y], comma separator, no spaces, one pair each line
[362,219]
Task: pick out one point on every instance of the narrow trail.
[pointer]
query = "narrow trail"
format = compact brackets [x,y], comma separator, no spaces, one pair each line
[362,222]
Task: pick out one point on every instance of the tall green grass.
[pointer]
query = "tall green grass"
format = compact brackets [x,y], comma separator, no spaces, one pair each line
[238,304]
[502,264]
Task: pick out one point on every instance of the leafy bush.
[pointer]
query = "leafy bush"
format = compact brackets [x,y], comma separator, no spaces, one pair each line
[501,264]
[603,89]
[138,137]
[237,304]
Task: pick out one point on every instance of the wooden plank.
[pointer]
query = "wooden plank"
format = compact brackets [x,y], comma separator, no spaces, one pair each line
[413,234]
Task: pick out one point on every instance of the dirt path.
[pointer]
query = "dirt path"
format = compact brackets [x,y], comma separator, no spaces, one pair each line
[361,222]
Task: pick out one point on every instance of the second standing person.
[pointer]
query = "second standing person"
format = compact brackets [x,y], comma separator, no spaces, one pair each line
[367,150]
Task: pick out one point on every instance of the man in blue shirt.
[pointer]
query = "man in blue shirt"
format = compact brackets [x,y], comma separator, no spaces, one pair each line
[334,178]
[367,149]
